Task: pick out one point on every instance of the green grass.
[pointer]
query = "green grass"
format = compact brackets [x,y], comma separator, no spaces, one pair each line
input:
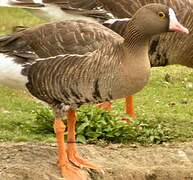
[10,17]
[164,109]
[169,103]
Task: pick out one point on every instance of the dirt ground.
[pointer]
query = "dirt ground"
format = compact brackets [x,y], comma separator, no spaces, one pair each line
[37,161]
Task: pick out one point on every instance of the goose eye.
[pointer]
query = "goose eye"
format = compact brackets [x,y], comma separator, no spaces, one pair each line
[161,15]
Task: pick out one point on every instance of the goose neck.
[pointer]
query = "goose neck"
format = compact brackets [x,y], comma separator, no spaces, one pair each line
[134,39]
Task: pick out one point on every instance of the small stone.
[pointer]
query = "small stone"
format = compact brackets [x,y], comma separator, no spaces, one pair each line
[185,79]
[133,145]
[184,101]
[189,85]
[172,104]
[168,78]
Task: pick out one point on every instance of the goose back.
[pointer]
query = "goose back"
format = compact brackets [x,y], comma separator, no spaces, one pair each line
[51,39]
[65,37]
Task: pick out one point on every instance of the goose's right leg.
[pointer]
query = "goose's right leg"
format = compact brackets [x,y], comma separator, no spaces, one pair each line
[68,171]
[105,105]
[129,106]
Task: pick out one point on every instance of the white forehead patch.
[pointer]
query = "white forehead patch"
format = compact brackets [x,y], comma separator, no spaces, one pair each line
[172,14]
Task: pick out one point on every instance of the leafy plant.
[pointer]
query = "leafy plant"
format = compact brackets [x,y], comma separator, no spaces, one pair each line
[44,121]
[153,133]
[96,124]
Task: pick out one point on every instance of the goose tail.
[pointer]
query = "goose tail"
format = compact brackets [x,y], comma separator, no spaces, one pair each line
[12,73]
[15,56]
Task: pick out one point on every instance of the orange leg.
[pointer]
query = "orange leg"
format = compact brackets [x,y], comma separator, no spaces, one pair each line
[67,170]
[129,107]
[72,152]
[105,105]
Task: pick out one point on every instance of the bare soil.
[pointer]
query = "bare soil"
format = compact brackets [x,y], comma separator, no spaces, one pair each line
[37,161]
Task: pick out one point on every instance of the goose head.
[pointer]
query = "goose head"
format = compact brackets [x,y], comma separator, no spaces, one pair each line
[157,18]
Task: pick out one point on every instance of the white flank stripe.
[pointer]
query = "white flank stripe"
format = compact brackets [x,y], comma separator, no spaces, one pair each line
[38,1]
[111,21]
[10,73]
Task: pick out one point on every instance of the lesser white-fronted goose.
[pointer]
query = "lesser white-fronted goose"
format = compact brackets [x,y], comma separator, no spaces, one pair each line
[161,52]
[115,68]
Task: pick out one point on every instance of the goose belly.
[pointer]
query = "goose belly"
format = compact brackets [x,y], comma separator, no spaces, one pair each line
[11,73]
[131,82]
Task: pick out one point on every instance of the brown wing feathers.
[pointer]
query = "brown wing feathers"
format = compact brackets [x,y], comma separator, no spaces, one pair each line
[59,79]
[14,45]
[54,39]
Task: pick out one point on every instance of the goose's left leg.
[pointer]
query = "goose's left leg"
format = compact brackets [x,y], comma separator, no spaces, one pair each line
[105,105]
[129,106]
[72,152]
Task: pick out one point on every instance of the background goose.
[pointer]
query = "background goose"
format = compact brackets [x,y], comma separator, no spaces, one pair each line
[118,67]
[61,9]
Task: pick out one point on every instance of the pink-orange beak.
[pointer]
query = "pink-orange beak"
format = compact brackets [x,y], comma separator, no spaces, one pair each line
[175,26]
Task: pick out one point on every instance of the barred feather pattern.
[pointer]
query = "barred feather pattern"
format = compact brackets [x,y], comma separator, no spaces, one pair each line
[74,79]
[130,34]
[168,48]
